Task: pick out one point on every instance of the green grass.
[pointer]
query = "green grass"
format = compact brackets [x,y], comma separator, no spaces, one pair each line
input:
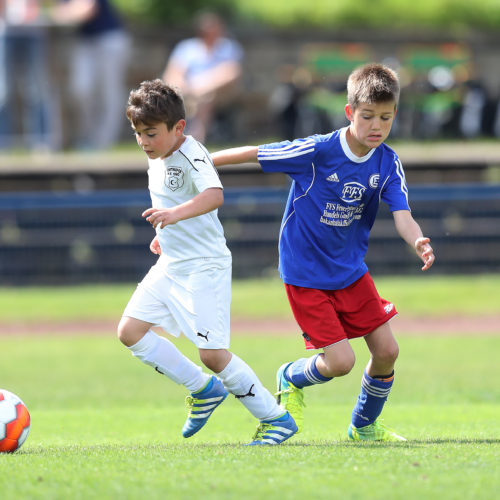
[105,426]
[413,295]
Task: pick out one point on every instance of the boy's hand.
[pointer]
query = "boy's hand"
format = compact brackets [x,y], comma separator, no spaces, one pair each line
[425,252]
[154,246]
[160,217]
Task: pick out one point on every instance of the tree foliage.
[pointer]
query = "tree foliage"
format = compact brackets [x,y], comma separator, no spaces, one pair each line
[461,15]
[165,11]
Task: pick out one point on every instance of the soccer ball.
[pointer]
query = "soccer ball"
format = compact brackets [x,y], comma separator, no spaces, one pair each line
[14,422]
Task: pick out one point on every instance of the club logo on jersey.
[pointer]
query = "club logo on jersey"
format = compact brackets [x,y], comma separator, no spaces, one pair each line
[352,191]
[333,178]
[388,308]
[174,178]
[373,181]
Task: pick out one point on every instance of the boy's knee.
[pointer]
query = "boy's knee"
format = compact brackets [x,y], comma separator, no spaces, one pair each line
[388,355]
[128,333]
[206,357]
[215,359]
[342,368]
[121,331]
[339,367]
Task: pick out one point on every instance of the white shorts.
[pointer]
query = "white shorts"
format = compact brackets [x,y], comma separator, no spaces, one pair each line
[197,305]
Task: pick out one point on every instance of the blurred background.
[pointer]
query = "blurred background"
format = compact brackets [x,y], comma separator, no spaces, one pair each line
[73,182]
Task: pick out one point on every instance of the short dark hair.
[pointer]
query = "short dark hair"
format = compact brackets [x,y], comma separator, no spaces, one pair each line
[153,102]
[372,83]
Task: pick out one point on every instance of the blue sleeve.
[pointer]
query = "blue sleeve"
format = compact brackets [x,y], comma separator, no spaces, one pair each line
[288,157]
[394,191]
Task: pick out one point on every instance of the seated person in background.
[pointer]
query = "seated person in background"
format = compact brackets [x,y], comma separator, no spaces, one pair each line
[206,69]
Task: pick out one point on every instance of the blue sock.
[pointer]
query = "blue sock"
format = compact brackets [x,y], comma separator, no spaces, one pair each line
[371,400]
[303,372]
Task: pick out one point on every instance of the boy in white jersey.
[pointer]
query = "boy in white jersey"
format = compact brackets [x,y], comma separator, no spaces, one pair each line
[338,180]
[188,290]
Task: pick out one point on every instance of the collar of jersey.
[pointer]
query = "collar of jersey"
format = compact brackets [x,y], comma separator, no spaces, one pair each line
[349,153]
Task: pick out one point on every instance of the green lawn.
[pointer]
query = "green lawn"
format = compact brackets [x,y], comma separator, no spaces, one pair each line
[413,295]
[105,426]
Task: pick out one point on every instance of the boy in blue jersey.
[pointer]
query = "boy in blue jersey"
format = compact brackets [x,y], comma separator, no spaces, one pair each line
[338,181]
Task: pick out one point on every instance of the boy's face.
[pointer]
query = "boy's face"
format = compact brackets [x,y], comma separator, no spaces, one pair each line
[370,125]
[157,141]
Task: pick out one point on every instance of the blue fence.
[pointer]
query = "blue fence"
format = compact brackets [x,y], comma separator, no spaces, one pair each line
[99,236]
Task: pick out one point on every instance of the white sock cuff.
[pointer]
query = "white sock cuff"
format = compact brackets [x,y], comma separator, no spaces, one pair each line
[147,344]
[234,367]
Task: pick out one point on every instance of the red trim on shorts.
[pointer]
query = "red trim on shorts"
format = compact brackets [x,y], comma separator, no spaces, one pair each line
[329,316]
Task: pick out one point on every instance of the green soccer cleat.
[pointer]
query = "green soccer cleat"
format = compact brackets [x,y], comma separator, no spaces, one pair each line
[290,397]
[373,432]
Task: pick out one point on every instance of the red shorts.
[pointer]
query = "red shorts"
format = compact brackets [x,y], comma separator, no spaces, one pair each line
[329,316]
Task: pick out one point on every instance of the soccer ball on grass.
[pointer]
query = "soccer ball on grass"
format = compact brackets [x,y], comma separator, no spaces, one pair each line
[14,422]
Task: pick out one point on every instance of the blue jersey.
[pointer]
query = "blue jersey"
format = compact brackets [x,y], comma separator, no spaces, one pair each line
[331,207]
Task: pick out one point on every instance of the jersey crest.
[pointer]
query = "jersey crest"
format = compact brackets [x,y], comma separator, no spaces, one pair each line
[374,180]
[174,178]
[352,191]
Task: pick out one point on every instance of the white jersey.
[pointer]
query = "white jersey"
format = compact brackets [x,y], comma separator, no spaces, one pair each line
[196,243]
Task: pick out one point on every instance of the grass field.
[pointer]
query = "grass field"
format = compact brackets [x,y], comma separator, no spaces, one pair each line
[413,295]
[104,426]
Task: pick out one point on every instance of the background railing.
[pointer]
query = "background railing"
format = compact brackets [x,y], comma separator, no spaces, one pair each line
[99,236]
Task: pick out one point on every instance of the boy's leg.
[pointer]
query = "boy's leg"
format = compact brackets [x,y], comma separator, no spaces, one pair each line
[158,352]
[335,361]
[241,381]
[375,388]
[207,392]
[161,300]
[315,313]
[210,293]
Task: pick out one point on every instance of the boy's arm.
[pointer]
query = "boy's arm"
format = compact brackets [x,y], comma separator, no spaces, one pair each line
[74,11]
[202,203]
[244,154]
[410,231]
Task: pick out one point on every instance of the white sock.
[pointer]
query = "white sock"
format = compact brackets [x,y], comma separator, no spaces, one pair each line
[239,379]
[166,359]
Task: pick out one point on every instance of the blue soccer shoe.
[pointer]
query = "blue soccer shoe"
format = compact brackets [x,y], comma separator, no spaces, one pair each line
[275,431]
[202,404]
